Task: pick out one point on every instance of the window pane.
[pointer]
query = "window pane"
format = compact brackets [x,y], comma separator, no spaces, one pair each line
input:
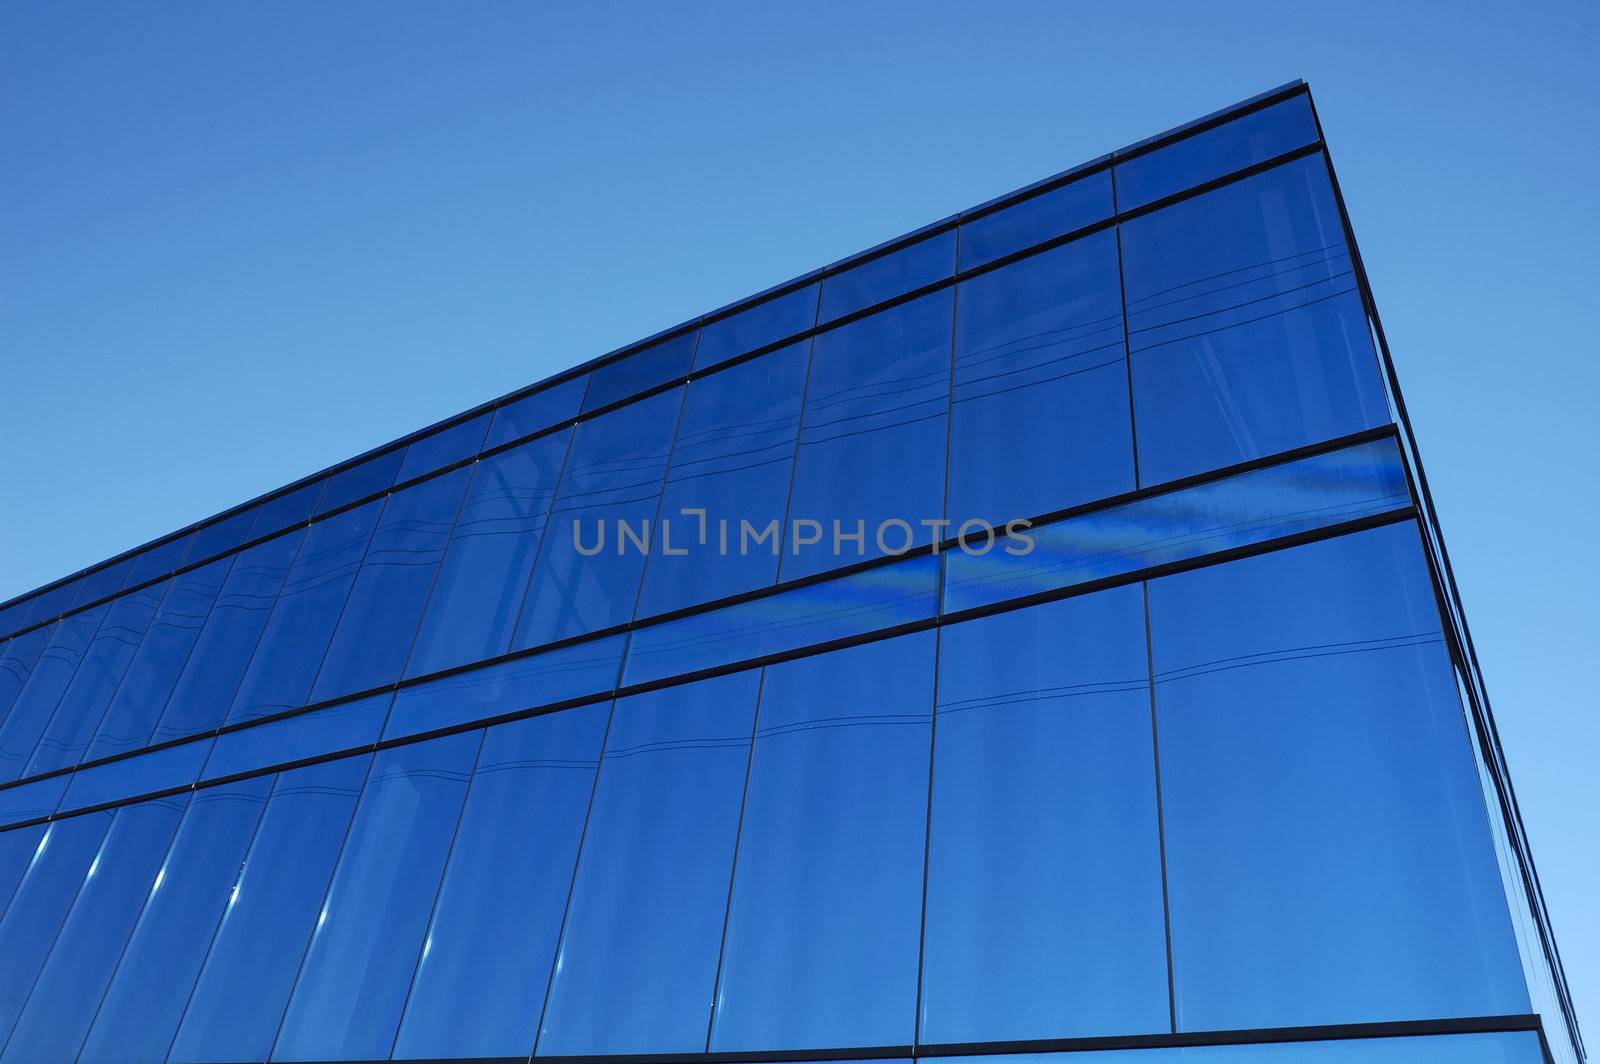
[640,371]
[1327,849]
[211,676]
[1499,1047]
[18,659]
[224,535]
[486,961]
[1045,916]
[443,448]
[613,476]
[69,988]
[361,480]
[765,323]
[1036,219]
[145,1000]
[17,849]
[1041,386]
[475,601]
[31,800]
[732,458]
[1234,145]
[286,510]
[296,635]
[97,585]
[928,260]
[352,987]
[1253,339]
[872,441]
[239,998]
[84,702]
[134,777]
[50,604]
[159,560]
[536,412]
[823,927]
[37,701]
[638,960]
[369,647]
[333,729]
[40,906]
[159,661]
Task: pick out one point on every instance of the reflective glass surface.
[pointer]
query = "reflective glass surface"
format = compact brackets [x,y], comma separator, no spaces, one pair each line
[536,412]
[91,587]
[159,560]
[29,800]
[826,912]
[37,701]
[443,448]
[1497,1047]
[17,849]
[1253,340]
[366,478]
[48,604]
[17,661]
[638,959]
[223,535]
[1036,219]
[765,323]
[288,509]
[332,729]
[134,777]
[896,273]
[640,371]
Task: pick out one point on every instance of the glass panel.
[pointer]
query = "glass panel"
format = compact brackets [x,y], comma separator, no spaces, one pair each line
[366,478]
[352,987]
[224,535]
[12,616]
[286,510]
[1360,481]
[146,773]
[1234,145]
[869,601]
[823,926]
[1253,339]
[374,635]
[159,560]
[159,661]
[872,441]
[17,662]
[153,980]
[638,960]
[37,700]
[475,600]
[30,800]
[1508,1047]
[69,988]
[443,448]
[210,677]
[1327,849]
[296,635]
[757,326]
[732,459]
[271,909]
[97,585]
[333,729]
[40,906]
[871,282]
[613,477]
[486,961]
[536,412]
[50,604]
[84,702]
[1041,386]
[640,371]
[524,683]
[1045,917]
[1036,219]
[16,854]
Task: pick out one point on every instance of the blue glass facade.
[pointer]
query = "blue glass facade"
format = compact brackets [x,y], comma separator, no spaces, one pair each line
[1027,639]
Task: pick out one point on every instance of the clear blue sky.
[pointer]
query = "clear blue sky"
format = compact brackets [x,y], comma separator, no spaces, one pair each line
[239,242]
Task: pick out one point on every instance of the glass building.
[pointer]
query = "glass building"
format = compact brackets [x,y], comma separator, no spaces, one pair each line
[1030,638]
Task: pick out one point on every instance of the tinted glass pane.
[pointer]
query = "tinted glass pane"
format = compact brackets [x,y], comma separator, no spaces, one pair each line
[361,480]
[288,509]
[17,661]
[1252,340]
[352,987]
[486,961]
[145,1000]
[757,326]
[52,603]
[1041,386]
[271,910]
[823,927]
[481,582]
[1510,1047]
[97,585]
[1231,146]
[37,701]
[296,635]
[872,440]
[210,677]
[732,458]
[1045,915]
[640,371]
[536,412]
[443,448]
[1328,854]
[40,906]
[12,616]
[869,601]
[31,800]
[224,535]
[380,618]
[159,560]
[523,683]
[928,260]
[613,477]
[638,960]
[85,700]
[1253,507]
[69,988]
[159,661]
[1036,219]
[134,777]
[17,849]
[321,731]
